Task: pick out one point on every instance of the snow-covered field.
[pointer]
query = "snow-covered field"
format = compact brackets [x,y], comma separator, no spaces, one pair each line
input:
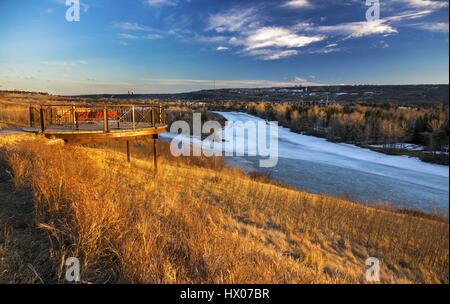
[316,165]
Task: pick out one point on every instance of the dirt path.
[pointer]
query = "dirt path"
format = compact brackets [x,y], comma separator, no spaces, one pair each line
[11,131]
[23,249]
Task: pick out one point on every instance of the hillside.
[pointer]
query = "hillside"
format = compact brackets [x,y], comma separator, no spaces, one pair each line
[369,94]
[194,222]
[346,94]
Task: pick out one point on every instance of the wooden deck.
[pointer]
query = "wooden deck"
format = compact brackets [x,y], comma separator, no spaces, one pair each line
[86,136]
[86,123]
[94,123]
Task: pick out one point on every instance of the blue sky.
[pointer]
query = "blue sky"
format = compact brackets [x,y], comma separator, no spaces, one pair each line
[150,46]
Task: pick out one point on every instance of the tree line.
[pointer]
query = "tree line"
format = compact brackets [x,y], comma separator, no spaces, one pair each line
[386,125]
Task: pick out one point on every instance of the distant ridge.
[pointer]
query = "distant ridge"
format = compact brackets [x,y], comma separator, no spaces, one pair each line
[403,94]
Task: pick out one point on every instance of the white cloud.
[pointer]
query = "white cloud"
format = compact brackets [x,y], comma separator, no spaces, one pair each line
[359,29]
[297,3]
[222,48]
[139,37]
[271,54]
[233,20]
[435,26]
[386,26]
[262,42]
[275,55]
[132,26]
[409,15]
[429,4]
[161,2]
[278,37]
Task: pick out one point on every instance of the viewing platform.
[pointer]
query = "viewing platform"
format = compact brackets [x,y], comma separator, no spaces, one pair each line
[88,123]
[95,123]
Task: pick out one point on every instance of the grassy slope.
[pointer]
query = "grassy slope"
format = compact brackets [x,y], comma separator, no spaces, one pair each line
[197,225]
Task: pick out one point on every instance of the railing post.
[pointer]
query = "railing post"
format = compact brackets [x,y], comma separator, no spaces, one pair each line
[133,118]
[105,120]
[153,118]
[74,118]
[161,116]
[42,114]
[119,115]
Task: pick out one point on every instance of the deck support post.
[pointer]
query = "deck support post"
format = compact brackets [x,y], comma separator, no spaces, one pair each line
[128,151]
[155,156]
[31,117]
[42,114]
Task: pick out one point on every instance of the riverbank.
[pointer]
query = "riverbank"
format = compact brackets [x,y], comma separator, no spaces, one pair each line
[316,165]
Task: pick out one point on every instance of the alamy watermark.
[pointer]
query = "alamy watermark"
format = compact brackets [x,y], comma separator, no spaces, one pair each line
[73,270]
[373,272]
[73,10]
[373,12]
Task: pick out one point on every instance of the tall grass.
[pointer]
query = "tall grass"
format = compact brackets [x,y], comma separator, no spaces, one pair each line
[191,223]
[14,114]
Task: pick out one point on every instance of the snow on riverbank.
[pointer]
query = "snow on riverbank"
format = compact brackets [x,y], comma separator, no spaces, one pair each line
[339,154]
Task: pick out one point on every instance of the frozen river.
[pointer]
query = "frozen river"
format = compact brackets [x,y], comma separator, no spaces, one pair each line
[316,165]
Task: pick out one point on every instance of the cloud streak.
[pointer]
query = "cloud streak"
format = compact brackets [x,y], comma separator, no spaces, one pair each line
[298,4]
[73,63]
[161,2]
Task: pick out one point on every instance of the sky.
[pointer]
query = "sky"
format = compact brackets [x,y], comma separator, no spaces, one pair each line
[169,46]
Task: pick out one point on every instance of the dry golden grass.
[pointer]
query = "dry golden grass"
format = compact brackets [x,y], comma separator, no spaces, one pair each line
[192,224]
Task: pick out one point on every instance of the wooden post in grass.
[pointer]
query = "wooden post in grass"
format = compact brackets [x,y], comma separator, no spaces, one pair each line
[128,151]
[155,160]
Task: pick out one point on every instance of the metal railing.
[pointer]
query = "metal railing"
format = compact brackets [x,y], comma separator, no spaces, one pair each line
[96,118]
